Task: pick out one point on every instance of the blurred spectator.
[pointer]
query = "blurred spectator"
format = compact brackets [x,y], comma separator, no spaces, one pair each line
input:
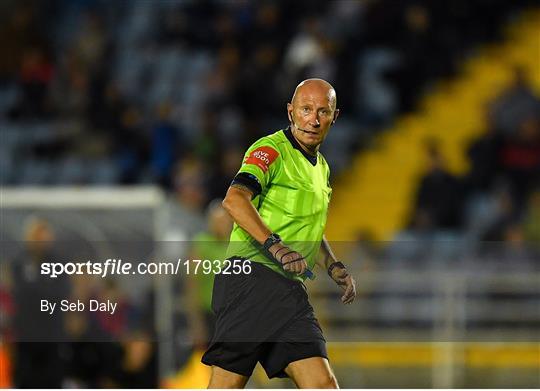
[305,49]
[112,327]
[378,101]
[175,27]
[5,366]
[38,350]
[503,214]
[519,158]
[21,29]
[134,363]
[90,43]
[190,180]
[70,87]
[206,245]
[86,354]
[257,91]
[105,111]
[130,146]
[518,101]
[438,198]
[7,306]
[182,212]
[222,80]
[166,146]
[349,18]
[35,76]
[483,155]
[414,40]
[267,22]
[207,142]
[7,309]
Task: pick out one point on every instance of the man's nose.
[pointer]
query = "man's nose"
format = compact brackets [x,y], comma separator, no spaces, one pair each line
[315,121]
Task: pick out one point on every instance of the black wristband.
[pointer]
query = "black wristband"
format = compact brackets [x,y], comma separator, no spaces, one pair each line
[272,239]
[333,265]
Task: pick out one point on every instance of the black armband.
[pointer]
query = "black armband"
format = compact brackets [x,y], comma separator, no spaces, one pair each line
[248,180]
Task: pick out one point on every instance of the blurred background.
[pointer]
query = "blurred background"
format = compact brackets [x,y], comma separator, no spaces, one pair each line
[121,122]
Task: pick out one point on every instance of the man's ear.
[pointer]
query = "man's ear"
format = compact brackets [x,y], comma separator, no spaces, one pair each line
[289,111]
[336,114]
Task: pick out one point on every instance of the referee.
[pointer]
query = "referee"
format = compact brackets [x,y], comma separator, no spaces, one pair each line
[279,203]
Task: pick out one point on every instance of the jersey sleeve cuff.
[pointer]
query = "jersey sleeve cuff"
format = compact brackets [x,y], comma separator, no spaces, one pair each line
[248,180]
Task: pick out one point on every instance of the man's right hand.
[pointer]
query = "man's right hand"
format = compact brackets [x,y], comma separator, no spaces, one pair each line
[291,260]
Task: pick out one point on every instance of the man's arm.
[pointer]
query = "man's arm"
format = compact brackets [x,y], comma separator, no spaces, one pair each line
[238,204]
[338,272]
[328,255]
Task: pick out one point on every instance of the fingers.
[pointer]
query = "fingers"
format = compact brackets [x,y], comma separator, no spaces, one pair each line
[294,262]
[350,291]
[291,260]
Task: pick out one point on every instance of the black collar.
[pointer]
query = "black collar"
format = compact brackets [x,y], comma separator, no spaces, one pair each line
[288,133]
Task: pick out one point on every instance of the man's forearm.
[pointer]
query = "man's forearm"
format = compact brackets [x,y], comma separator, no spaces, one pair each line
[238,204]
[328,255]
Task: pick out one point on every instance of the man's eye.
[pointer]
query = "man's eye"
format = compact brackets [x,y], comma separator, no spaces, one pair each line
[324,112]
[305,109]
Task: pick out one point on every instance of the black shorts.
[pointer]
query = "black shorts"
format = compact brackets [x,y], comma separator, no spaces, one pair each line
[262,317]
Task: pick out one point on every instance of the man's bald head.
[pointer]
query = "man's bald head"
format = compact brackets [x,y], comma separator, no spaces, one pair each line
[310,86]
[312,112]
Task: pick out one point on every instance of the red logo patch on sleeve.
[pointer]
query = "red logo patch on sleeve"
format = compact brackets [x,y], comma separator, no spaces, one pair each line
[262,157]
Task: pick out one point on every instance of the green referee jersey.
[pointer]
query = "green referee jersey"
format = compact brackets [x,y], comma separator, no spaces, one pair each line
[292,195]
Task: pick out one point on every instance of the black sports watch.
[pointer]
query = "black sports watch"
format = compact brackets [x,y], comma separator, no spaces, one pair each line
[272,239]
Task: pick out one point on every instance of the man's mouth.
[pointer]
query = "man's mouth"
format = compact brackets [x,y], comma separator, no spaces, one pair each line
[309,132]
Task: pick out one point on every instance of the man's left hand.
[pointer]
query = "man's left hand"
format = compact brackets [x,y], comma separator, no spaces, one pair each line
[343,278]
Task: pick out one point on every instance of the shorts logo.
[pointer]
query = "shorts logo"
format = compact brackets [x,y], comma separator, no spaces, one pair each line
[262,157]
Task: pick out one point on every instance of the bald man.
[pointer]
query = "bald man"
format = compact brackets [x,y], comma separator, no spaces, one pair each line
[279,203]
